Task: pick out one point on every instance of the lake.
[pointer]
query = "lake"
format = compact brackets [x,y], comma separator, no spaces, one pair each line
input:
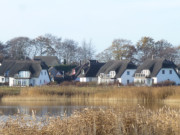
[52,108]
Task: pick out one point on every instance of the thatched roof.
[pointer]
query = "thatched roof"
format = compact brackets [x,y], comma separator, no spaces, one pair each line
[90,68]
[178,66]
[155,66]
[119,66]
[13,67]
[6,66]
[49,60]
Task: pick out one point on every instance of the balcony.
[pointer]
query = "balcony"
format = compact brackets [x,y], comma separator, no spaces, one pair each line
[140,75]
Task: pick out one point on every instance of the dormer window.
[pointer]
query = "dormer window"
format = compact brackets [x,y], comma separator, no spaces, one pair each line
[101,75]
[112,74]
[83,72]
[128,72]
[24,74]
[146,72]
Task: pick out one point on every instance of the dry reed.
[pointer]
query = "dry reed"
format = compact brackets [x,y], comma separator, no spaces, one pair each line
[115,121]
[98,93]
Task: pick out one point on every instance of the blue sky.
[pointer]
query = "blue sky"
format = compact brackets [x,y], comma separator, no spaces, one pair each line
[98,20]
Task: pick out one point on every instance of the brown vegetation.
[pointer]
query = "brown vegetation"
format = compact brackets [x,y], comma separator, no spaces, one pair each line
[124,121]
[95,93]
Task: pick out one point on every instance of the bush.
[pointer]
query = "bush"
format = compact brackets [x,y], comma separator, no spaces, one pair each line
[78,84]
[165,83]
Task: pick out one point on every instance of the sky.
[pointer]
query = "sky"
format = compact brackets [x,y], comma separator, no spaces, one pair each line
[101,21]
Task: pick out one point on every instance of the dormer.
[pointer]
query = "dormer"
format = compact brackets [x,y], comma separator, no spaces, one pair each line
[112,74]
[24,74]
[146,72]
[82,72]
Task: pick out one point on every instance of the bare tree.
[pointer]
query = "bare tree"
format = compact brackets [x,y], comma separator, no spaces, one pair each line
[104,56]
[69,50]
[145,48]
[120,49]
[18,48]
[165,49]
[40,44]
[87,51]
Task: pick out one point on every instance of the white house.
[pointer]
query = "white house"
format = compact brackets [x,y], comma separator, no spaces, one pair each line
[121,71]
[89,70]
[156,71]
[25,73]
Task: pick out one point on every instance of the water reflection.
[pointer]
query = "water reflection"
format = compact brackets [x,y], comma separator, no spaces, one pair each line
[63,108]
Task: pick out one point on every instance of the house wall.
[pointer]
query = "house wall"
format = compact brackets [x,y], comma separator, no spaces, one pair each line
[2,79]
[11,81]
[41,80]
[105,80]
[127,75]
[88,79]
[167,76]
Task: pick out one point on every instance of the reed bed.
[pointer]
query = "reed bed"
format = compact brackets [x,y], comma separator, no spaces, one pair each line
[114,121]
[94,93]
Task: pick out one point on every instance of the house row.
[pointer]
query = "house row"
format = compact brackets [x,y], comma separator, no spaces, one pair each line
[152,71]
[24,73]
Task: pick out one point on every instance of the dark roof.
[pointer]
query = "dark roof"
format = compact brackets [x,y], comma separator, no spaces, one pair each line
[49,60]
[52,71]
[155,66]
[119,66]
[1,59]
[90,68]
[6,66]
[78,70]
[178,66]
[14,67]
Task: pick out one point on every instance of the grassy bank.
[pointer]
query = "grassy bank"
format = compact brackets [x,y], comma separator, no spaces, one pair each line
[124,121]
[91,93]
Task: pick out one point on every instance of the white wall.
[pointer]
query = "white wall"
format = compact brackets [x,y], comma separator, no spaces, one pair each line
[126,77]
[172,77]
[2,79]
[105,80]
[88,79]
[11,81]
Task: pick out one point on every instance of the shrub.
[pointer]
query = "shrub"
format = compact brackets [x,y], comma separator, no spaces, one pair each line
[165,83]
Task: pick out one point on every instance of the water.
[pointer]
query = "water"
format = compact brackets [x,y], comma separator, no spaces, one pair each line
[66,108]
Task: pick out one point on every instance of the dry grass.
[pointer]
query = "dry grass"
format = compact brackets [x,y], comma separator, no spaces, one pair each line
[124,121]
[98,93]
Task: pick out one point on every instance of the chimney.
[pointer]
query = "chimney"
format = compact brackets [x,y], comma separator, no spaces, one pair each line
[152,57]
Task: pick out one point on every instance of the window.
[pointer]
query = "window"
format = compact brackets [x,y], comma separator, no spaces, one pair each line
[127,81]
[152,81]
[24,83]
[128,72]
[170,71]
[163,71]
[45,72]
[2,79]
[41,72]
